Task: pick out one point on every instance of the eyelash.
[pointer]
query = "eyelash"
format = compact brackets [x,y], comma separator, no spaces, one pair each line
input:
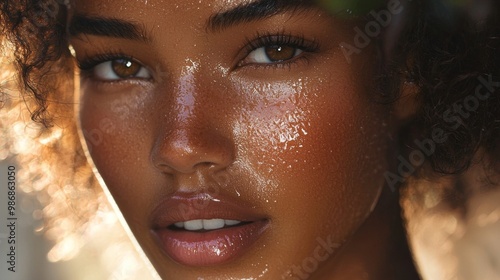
[88,64]
[283,39]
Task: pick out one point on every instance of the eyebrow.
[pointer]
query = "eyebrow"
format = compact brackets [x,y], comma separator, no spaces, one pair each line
[110,27]
[253,11]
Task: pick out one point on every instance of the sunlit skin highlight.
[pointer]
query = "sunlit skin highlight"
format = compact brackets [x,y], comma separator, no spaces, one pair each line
[300,141]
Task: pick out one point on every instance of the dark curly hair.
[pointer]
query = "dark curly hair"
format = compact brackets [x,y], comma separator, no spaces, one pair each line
[453,51]
[446,51]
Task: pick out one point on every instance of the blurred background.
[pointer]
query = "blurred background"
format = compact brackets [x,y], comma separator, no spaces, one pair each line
[66,228]
[100,258]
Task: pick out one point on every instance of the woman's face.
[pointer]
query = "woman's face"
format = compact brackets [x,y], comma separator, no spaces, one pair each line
[235,137]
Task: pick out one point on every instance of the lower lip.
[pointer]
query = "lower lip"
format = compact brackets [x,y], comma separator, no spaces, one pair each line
[210,248]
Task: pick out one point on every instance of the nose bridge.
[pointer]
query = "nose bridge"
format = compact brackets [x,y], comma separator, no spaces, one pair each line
[190,136]
[186,91]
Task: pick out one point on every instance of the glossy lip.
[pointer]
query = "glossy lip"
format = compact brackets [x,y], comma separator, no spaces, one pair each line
[206,248]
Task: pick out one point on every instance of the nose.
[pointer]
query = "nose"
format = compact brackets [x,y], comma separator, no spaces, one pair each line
[191,133]
[188,148]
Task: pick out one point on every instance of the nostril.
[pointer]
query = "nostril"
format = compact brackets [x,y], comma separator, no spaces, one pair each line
[164,168]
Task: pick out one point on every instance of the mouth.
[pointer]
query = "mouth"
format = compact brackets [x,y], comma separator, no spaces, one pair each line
[202,230]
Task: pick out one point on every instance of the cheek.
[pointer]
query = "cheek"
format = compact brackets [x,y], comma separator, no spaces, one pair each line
[117,140]
[320,150]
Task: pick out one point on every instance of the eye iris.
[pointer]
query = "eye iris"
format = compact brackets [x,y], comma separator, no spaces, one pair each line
[280,53]
[125,68]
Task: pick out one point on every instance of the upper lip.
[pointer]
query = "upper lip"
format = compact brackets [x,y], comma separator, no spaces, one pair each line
[181,207]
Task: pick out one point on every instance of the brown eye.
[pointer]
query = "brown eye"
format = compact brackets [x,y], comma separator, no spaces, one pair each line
[125,68]
[272,54]
[120,69]
[280,53]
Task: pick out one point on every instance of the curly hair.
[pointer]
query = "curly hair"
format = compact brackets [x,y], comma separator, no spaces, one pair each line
[444,50]
[37,44]
[37,29]
[452,54]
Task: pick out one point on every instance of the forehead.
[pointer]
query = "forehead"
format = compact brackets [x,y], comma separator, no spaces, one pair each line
[171,7]
[133,9]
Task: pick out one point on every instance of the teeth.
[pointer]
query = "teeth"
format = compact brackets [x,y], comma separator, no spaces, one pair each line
[206,224]
[213,224]
[193,225]
[179,224]
[231,222]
